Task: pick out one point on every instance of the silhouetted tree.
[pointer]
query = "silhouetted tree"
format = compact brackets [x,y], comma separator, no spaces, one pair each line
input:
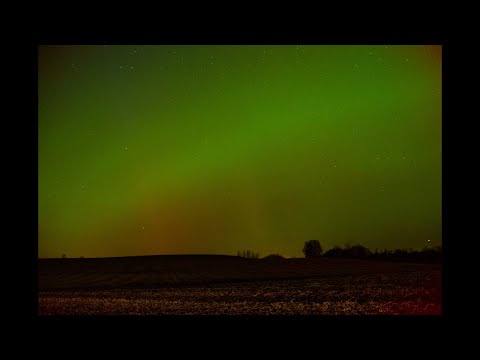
[336,251]
[249,254]
[359,251]
[312,248]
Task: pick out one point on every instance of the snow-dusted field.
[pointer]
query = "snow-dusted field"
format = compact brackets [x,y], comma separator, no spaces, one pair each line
[382,293]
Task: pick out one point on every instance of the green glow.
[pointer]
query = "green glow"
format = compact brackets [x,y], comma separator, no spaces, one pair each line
[212,149]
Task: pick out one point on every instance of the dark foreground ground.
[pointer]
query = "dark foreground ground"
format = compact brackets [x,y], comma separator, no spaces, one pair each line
[223,285]
[402,293]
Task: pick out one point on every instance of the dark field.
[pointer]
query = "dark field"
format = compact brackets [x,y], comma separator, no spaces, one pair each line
[225,285]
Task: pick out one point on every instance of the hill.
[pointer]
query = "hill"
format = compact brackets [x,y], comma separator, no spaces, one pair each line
[179,270]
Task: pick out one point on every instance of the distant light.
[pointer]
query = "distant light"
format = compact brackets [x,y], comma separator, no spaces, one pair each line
[428,240]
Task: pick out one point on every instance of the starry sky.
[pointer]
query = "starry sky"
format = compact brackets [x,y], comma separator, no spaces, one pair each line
[146,150]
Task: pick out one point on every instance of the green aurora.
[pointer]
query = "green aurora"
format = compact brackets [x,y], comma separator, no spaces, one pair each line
[149,150]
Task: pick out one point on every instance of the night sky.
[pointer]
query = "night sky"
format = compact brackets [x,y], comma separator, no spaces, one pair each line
[148,150]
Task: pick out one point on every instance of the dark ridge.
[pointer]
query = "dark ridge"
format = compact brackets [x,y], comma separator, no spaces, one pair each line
[188,270]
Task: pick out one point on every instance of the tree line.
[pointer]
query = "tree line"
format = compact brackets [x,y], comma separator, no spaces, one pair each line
[249,254]
[312,248]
